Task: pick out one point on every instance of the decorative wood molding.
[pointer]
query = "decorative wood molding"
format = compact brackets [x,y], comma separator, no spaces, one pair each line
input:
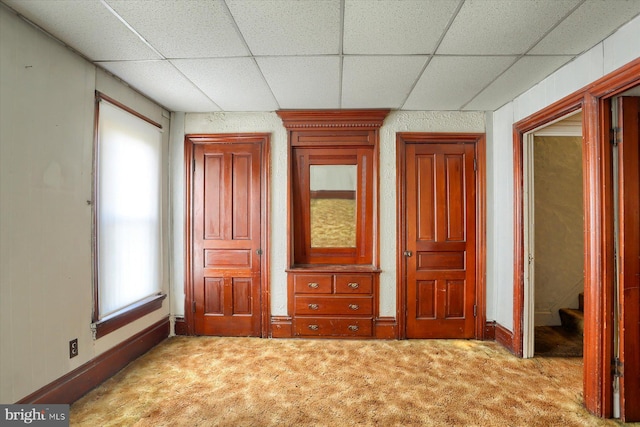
[281,327]
[595,101]
[332,119]
[180,326]
[504,337]
[490,331]
[386,328]
[70,387]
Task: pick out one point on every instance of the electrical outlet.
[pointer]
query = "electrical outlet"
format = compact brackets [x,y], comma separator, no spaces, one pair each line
[73,348]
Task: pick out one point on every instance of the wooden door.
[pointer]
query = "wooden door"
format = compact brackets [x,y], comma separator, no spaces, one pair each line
[226,221]
[440,220]
[629,253]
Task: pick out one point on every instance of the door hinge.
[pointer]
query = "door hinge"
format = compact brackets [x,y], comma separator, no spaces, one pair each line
[193,165]
[475,310]
[475,165]
[617,368]
[615,136]
[193,306]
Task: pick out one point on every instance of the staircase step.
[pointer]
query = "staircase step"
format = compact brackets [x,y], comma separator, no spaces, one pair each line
[572,319]
[581,301]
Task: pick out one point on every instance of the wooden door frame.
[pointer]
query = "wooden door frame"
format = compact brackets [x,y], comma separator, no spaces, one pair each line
[190,141]
[595,102]
[479,140]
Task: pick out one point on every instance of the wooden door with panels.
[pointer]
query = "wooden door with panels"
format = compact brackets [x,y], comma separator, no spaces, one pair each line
[439,233]
[628,367]
[227,234]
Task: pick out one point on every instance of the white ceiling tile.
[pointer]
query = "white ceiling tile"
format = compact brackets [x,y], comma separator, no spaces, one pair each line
[235,84]
[86,26]
[379,81]
[586,27]
[179,29]
[303,82]
[497,27]
[289,27]
[175,92]
[449,82]
[395,27]
[525,73]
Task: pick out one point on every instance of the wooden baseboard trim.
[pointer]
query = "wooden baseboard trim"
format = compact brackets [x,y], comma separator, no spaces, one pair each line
[281,327]
[70,387]
[180,326]
[490,331]
[386,328]
[504,337]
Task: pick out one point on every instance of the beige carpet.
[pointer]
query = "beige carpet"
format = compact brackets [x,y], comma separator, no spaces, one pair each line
[207,381]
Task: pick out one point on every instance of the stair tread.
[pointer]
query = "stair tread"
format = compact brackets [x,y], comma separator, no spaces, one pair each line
[572,319]
[573,312]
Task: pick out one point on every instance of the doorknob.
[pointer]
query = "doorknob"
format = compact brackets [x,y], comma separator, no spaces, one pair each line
[408,253]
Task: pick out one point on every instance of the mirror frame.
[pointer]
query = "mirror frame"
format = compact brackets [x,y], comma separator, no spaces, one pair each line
[333,137]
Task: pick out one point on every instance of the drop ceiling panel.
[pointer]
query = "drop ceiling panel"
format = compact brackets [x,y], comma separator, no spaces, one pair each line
[235,84]
[175,93]
[179,29]
[289,27]
[303,82]
[525,73]
[584,28]
[395,27]
[379,81]
[86,26]
[496,27]
[449,82]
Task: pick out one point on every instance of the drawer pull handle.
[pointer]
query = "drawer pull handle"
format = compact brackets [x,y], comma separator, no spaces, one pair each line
[353,285]
[354,306]
[314,327]
[313,306]
[313,285]
[353,328]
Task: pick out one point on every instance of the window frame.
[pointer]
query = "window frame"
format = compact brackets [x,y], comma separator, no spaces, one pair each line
[113,321]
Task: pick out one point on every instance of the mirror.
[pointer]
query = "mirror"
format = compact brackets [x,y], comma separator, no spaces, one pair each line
[333,205]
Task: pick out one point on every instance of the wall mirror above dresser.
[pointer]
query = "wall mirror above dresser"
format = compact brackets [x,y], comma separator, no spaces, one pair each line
[333,249]
[333,205]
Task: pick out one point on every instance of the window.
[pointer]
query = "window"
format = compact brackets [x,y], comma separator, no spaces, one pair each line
[128,216]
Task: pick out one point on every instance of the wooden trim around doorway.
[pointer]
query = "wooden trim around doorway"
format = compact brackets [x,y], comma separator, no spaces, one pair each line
[594,100]
[402,138]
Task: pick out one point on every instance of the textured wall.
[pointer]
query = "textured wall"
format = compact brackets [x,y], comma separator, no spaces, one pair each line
[559,226]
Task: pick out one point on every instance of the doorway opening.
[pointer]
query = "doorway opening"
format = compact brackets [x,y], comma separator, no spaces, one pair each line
[554,239]
[602,367]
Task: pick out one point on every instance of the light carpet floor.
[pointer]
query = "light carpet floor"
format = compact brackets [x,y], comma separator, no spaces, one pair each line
[208,381]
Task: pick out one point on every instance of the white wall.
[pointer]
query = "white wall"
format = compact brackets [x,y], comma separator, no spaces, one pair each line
[612,53]
[271,123]
[46,150]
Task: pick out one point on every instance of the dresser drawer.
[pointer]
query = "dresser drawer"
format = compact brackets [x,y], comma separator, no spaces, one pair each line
[322,305]
[354,284]
[312,283]
[326,326]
